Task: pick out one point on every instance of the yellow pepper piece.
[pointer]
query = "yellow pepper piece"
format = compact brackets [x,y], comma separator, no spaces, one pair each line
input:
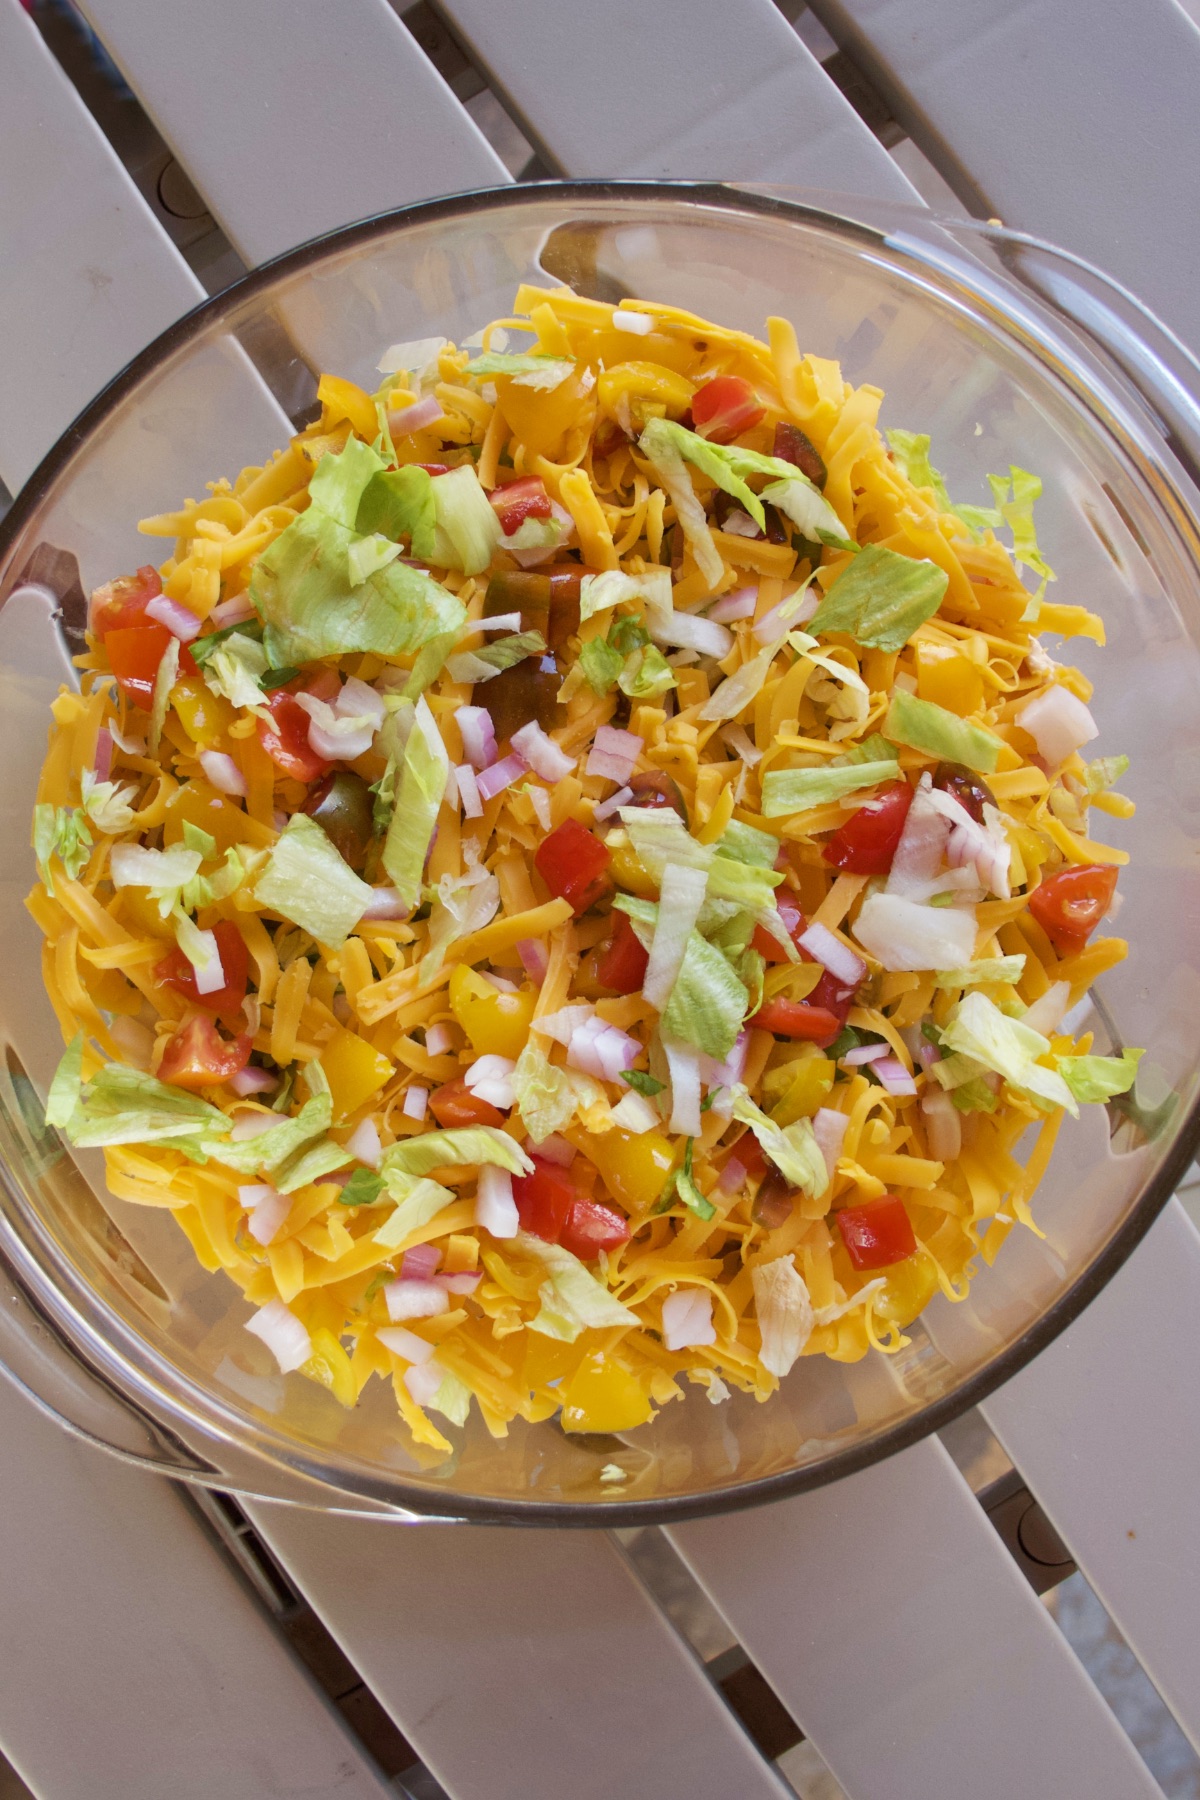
[633,1167]
[540,419]
[908,1288]
[602,1396]
[330,1365]
[206,717]
[628,869]
[645,388]
[197,804]
[354,1071]
[496,1023]
[346,400]
[948,679]
[810,1079]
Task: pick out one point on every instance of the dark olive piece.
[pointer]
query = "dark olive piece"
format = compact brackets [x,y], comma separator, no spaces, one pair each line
[792,446]
[773,1202]
[341,805]
[965,787]
[529,690]
[654,789]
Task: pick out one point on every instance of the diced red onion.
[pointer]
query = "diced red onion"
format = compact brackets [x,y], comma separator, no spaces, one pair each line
[253,1081]
[614,754]
[500,622]
[918,855]
[501,775]
[248,1125]
[359,700]
[613,804]
[495,1208]
[501,983]
[490,1078]
[556,1149]
[420,1262]
[416,1102]
[865,1053]
[601,1050]
[985,848]
[1058,722]
[179,620]
[535,959]
[729,1072]
[385,903]
[282,1333]
[732,1176]
[468,791]
[943,1124]
[692,632]
[478,735]
[363,1144]
[438,1039]
[329,743]
[687,1319]
[408,1299]
[541,752]
[404,1343]
[894,1076]
[465,1281]
[423,1381]
[740,604]
[222,772]
[782,618]
[829,1129]
[104,753]
[231,612]
[539,799]
[416,417]
[927,1054]
[841,961]
[609,768]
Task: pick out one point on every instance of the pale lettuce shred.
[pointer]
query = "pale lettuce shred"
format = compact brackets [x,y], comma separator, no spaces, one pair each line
[978,1029]
[418,1201]
[234,670]
[468,1147]
[785,1313]
[572,1298]
[793,1149]
[546,1099]
[60,831]
[1094,1079]
[306,881]
[420,784]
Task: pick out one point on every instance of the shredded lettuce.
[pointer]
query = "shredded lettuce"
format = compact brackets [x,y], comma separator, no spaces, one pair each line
[785,1312]
[167,874]
[793,1149]
[734,694]
[601,665]
[367,555]
[234,668]
[659,448]
[311,1165]
[978,1029]
[795,790]
[67,1083]
[974,1095]
[460,906]
[122,1106]
[106,804]
[1103,772]
[160,699]
[929,728]
[708,1001]
[418,1200]
[60,831]
[1098,1078]
[729,466]
[881,598]
[490,659]
[646,673]
[911,451]
[808,510]
[1017,513]
[301,583]
[275,1149]
[397,503]
[572,1299]
[466,531]
[544,1095]
[420,786]
[610,588]
[982,974]
[474,1144]
[307,882]
[531,370]
[747,844]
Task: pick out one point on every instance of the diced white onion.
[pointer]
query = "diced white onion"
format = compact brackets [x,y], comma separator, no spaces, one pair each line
[495,1208]
[904,936]
[414,1299]
[638,324]
[539,799]
[490,1078]
[252,1080]
[364,1145]
[282,1333]
[1058,724]
[864,1053]
[687,1319]
[416,1102]
[837,957]
[691,632]
[478,735]
[468,791]
[614,754]
[739,604]
[439,1039]
[209,975]
[1049,1009]
[267,1212]
[601,1050]
[740,524]
[829,1129]
[385,903]
[559,1025]
[635,1114]
[423,1381]
[233,611]
[542,754]
[918,855]
[404,1343]
[222,772]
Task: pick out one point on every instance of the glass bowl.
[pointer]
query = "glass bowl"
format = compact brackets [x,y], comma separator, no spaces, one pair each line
[1006,351]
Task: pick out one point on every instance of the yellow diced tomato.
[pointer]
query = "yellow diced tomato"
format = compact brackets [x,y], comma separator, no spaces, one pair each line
[330,1365]
[205,716]
[346,400]
[948,679]
[633,1166]
[540,418]
[602,1396]
[628,870]
[354,1071]
[198,804]
[496,1023]
[908,1288]
[802,1086]
[639,389]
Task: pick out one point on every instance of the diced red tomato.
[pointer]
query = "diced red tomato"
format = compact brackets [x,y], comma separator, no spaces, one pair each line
[520,500]
[830,995]
[833,996]
[725,407]
[121,604]
[435,468]
[752,1156]
[621,965]
[797,1019]
[545,1199]
[199,1057]
[573,863]
[878,1233]
[134,653]
[322,684]
[286,739]
[769,947]
[454,1104]
[1069,906]
[866,843]
[591,1228]
[175,971]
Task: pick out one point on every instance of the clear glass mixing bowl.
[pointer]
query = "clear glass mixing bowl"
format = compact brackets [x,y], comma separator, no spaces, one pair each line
[1006,351]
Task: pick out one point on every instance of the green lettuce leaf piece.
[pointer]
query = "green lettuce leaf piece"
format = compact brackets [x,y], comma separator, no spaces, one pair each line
[272,1150]
[418,1200]
[490,659]
[474,1144]
[642,1083]
[532,370]
[733,695]
[929,728]
[420,786]
[730,466]
[306,881]
[794,1150]
[1097,1078]
[872,749]
[611,588]
[660,449]
[983,973]
[544,1096]
[365,557]
[107,805]
[747,844]
[1102,773]
[311,1165]
[601,665]
[301,583]
[881,598]
[459,907]
[646,673]
[234,669]
[974,1096]
[122,1106]
[67,1084]
[201,841]
[453,1398]
[466,528]
[160,699]
[911,451]
[1017,514]
[708,1002]
[627,634]
[808,510]
[572,1299]
[978,1029]
[795,790]
[203,648]
[399,503]
[60,831]
[431,660]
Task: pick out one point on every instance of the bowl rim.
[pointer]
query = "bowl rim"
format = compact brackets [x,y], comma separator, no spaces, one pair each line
[421,1502]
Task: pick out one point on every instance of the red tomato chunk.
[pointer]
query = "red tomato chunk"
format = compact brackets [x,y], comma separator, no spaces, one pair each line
[454,1104]
[621,965]
[198,1056]
[725,407]
[1071,904]
[878,1233]
[797,1019]
[121,604]
[866,843]
[177,972]
[573,863]
[286,739]
[134,653]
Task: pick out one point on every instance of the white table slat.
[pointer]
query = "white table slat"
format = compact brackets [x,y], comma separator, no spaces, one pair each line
[1102,1428]
[702,91]
[903,1639]
[292,121]
[1070,119]
[87,275]
[520,1664]
[132,1662]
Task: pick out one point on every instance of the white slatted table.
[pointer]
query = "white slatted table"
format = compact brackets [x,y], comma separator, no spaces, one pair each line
[519,1663]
